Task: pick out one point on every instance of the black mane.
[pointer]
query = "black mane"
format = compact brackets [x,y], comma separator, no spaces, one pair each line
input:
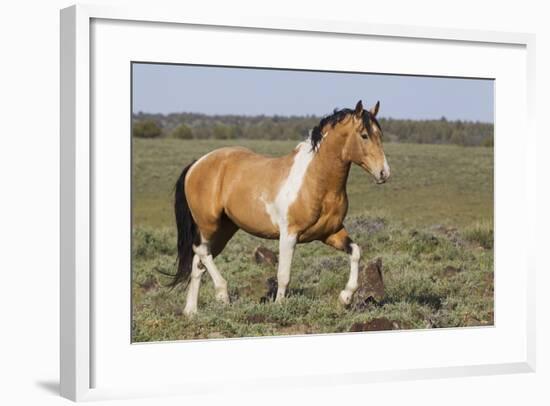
[333,119]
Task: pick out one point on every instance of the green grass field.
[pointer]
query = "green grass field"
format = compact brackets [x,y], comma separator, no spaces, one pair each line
[432,225]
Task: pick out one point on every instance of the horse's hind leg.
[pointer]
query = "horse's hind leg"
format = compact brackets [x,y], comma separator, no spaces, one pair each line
[209,249]
[193,290]
[220,284]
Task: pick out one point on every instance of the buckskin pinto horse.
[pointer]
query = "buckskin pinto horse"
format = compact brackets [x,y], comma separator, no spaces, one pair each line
[297,198]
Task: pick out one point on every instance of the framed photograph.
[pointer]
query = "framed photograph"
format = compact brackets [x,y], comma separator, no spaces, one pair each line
[262,202]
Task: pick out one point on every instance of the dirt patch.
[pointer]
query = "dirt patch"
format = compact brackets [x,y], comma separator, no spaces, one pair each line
[149,284]
[256,319]
[379,324]
[294,329]
[450,271]
[215,334]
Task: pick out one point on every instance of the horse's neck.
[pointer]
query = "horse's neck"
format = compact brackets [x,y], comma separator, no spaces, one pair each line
[328,171]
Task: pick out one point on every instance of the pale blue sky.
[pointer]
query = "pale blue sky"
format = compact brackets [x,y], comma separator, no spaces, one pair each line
[161,88]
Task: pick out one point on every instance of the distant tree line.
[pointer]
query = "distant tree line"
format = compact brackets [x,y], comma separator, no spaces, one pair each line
[201,126]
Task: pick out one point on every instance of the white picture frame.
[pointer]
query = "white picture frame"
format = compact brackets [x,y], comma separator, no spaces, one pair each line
[77,193]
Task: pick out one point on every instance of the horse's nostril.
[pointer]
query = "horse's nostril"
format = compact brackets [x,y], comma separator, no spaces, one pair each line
[382,174]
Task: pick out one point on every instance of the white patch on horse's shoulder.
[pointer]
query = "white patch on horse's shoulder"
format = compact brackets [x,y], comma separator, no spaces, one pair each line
[290,188]
[288,193]
[270,209]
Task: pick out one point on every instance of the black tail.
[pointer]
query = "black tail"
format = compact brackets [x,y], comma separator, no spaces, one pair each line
[187,232]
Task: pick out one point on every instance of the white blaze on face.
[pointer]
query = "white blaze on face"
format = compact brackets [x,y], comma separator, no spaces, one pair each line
[386,167]
[288,193]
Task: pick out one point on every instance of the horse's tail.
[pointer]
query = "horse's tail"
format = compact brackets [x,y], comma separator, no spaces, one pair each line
[188,233]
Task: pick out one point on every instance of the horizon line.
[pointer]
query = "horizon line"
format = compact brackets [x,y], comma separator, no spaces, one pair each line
[382,117]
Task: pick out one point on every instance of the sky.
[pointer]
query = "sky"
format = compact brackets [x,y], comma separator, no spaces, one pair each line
[163,88]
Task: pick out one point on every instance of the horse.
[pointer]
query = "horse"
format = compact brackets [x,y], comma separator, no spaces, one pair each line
[296,198]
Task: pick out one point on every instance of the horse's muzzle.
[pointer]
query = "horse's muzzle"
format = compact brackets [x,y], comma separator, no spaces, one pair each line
[383,176]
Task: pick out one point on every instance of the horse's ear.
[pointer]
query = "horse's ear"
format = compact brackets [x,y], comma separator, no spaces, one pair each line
[359,109]
[374,110]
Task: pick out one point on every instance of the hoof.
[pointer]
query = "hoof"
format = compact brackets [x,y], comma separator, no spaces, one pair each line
[190,312]
[222,296]
[345,298]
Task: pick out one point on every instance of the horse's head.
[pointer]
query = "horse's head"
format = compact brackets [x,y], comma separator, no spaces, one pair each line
[363,143]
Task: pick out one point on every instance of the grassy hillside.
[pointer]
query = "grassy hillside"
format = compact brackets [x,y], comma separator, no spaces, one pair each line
[431,225]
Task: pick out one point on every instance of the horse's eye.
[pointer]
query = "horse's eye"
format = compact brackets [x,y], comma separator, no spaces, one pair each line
[364,136]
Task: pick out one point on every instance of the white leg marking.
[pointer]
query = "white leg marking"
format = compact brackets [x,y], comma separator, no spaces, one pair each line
[286,251]
[220,285]
[347,294]
[193,289]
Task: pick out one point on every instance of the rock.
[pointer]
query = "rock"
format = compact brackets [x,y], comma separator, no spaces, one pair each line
[371,286]
[379,324]
[264,256]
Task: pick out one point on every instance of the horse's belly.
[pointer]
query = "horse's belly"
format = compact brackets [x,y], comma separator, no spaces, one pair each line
[252,217]
[321,230]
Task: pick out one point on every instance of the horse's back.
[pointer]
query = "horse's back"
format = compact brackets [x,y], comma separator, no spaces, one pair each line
[224,159]
[205,178]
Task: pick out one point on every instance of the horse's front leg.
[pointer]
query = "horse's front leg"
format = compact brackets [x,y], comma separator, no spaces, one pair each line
[342,242]
[286,251]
